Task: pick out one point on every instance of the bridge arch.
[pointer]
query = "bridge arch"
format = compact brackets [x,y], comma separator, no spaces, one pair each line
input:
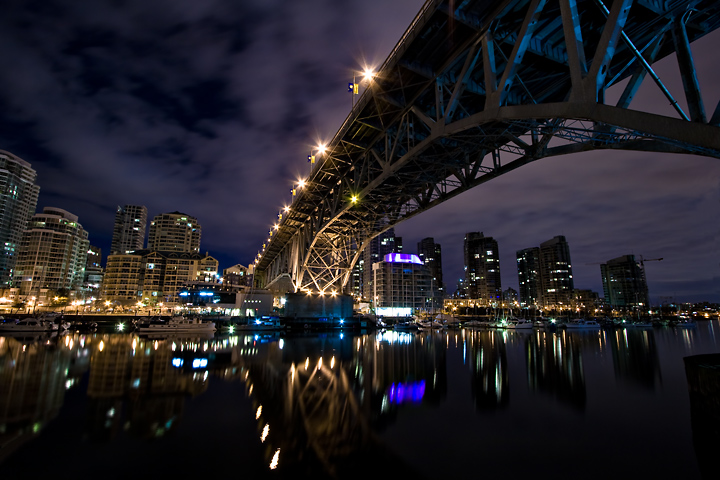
[512,82]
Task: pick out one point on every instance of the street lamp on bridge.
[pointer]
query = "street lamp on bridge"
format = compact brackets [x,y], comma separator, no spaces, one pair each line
[354,88]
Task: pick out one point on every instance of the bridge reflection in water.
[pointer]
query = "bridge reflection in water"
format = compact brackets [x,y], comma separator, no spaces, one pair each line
[320,403]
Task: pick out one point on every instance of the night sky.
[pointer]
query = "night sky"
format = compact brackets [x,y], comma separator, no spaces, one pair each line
[211,108]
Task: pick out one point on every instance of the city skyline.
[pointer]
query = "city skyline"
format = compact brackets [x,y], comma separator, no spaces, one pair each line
[217,114]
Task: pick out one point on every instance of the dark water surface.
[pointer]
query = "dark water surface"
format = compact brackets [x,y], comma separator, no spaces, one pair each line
[454,404]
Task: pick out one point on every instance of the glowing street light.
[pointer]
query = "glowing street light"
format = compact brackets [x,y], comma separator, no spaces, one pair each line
[354,88]
[368,74]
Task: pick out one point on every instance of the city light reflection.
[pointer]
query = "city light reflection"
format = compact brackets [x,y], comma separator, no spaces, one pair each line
[275,458]
[381,373]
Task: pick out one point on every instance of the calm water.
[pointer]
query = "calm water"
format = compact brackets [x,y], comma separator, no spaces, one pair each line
[382,404]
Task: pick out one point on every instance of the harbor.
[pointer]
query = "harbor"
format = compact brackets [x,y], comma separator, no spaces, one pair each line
[347,403]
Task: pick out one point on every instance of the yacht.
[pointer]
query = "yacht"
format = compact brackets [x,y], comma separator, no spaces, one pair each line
[32,324]
[519,324]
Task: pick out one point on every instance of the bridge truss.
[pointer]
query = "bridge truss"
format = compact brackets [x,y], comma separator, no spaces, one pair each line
[478,88]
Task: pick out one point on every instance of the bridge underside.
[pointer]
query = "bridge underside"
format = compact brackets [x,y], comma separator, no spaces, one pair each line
[476,89]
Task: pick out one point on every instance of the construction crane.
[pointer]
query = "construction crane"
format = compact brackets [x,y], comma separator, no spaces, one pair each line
[643,260]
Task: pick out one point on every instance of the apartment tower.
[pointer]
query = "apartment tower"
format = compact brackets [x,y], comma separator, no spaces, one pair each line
[556,273]
[129,229]
[430,254]
[375,252]
[482,268]
[624,282]
[53,253]
[174,232]
[18,199]
[529,280]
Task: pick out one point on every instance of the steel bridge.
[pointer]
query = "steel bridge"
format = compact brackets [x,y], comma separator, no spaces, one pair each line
[475,89]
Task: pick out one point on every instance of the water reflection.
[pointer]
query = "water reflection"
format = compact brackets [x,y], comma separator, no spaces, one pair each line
[488,367]
[555,365]
[635,356]
[140,384]
[318,402]
[33,375]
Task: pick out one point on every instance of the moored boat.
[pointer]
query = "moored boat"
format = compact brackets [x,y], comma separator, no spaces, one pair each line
[683,321]
[447,321]
[636,324]
[579,324]
[405,326]
[519,324]
[475,324]
[32,324]
[175,324]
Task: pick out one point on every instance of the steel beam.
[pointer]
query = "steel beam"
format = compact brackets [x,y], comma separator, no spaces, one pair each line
[437,121]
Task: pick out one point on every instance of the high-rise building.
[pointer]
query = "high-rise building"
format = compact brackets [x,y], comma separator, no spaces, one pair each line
[430,254]
[556,273]
[18,199]
[482,268]
[528,265]
[376,250]
[624,282]
[53,253]
[401,285]
[129,229]
[174,232]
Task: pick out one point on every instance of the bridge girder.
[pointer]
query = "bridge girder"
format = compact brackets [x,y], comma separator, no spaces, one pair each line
[472,93]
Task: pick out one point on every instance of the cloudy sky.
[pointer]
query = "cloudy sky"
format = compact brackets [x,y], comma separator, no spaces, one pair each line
[210,108]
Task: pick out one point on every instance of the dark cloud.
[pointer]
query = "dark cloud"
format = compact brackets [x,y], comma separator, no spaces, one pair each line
[211,108]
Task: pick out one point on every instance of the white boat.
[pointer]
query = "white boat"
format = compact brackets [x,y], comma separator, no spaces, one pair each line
[430,325]
[423,324]
[175,324]
[519,324]
[579,324]
[29,325]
